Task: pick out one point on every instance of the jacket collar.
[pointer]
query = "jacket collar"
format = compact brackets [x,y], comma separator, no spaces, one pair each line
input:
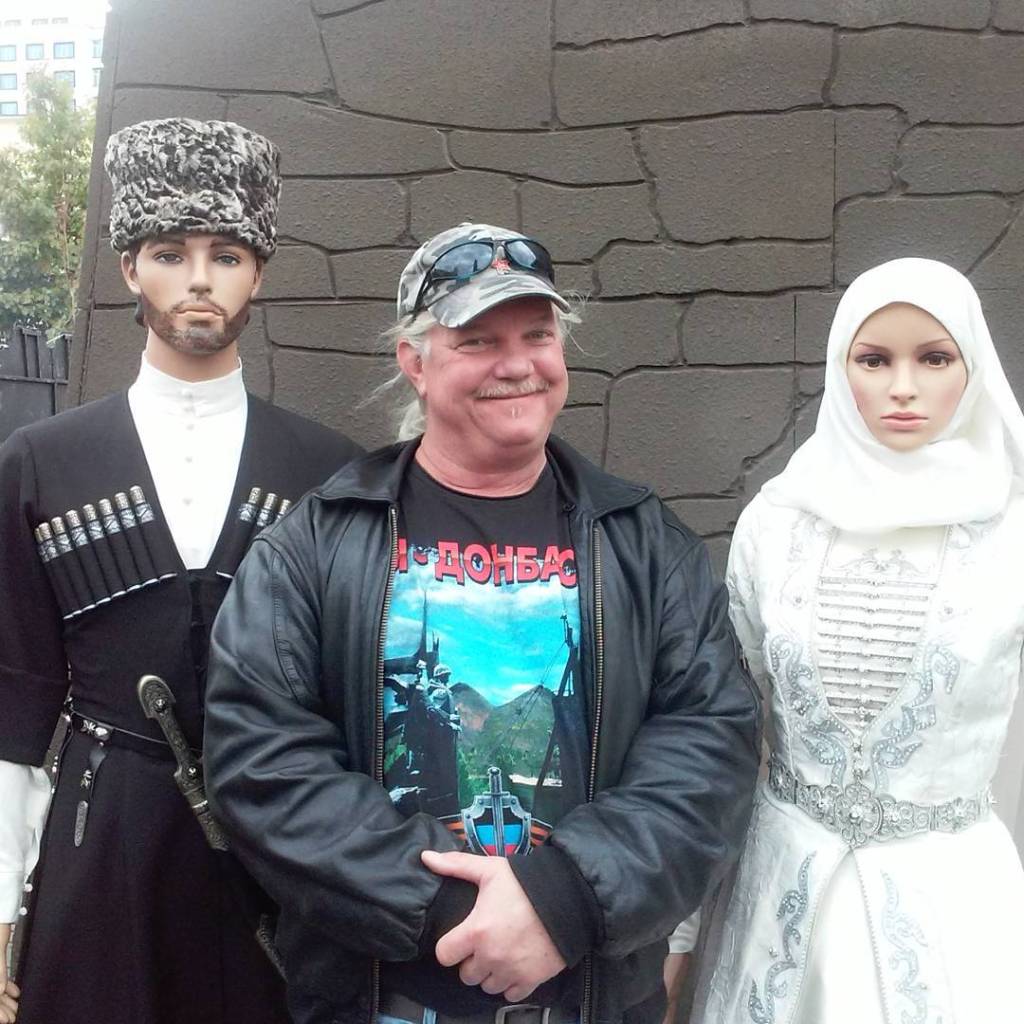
[377,477]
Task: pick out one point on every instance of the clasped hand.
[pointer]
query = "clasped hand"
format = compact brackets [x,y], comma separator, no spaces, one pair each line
[8,990]
[502,946]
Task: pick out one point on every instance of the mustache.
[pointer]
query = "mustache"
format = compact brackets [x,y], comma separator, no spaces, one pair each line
[526,387]
[179,306]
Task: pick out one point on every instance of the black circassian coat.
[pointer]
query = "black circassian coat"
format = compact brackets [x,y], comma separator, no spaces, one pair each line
[134,924]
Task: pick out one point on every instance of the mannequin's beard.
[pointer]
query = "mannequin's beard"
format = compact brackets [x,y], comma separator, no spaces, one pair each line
[196,339]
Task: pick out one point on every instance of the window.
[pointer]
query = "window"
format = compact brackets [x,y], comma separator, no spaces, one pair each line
[8,53]
[97,49]
[8,81]
[65,76]
[63,51]
[8,109]
[34,51]
[96,77]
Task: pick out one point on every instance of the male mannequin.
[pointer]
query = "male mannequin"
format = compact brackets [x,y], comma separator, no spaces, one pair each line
[132,921]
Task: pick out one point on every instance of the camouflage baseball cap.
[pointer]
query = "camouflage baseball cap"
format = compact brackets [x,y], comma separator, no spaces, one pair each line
[455,302]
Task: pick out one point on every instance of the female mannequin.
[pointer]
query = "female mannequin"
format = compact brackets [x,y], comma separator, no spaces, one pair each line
[877,586]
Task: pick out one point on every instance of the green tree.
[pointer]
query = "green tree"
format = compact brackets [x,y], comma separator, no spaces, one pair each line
[43,192]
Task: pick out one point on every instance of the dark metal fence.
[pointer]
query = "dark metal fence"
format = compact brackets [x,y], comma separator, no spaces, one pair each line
[33,376]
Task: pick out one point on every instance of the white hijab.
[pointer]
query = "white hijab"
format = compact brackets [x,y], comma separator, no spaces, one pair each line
[843,474]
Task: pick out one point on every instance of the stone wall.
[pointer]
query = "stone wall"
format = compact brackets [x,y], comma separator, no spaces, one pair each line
[710,173]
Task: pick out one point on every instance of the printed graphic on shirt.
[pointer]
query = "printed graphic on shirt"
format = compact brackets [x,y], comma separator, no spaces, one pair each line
[485,726]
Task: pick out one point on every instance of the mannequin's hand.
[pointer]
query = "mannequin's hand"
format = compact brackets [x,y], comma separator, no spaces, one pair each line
[8,990]
[677,966]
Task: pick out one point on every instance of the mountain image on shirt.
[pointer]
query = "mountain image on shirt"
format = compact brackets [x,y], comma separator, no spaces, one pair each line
[513,736]
[480,703]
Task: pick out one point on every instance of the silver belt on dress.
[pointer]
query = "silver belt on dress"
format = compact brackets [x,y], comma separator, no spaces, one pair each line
[860,815]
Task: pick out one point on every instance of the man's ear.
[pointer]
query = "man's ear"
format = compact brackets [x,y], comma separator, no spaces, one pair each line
[257,279]
[130,274]
[410,362]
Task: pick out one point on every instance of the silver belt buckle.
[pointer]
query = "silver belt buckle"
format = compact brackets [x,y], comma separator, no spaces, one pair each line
[502,1014]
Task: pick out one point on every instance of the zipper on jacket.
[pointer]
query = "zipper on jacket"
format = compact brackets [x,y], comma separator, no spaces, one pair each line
[378,726]
[595,547]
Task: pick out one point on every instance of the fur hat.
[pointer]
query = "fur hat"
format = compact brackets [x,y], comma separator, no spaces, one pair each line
[196,177]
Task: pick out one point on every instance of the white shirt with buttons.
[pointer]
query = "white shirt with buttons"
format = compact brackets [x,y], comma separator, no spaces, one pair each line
[192,436]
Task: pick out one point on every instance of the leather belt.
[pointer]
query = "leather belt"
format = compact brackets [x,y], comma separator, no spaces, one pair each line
[860,815]
[114,736]
[394,1007]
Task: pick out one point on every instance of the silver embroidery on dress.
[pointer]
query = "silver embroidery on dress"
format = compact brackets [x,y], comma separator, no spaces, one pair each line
[792,908]
[902,932]
[821,733]
[896,747]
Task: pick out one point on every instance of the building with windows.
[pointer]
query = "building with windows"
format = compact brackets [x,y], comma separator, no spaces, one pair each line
[60,38]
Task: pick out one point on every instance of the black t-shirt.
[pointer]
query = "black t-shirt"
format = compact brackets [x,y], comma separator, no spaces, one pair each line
[484,716]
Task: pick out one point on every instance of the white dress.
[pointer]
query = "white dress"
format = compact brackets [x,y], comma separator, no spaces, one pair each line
[877,884]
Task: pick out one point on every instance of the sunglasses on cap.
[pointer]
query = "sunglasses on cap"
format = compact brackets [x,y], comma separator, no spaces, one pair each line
[467,259]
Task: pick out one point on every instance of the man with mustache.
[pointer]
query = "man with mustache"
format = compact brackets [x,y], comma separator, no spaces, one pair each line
[121,525]
[491,739]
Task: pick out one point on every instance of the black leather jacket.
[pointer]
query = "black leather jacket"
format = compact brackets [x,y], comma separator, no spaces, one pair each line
[294,734]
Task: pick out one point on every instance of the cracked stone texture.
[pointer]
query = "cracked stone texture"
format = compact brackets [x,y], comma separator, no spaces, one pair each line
[706,515]
[370,273]
[583,428]
[352,327]
[616,336]
[862,14]
[587,388]
[963,160]
[765,67]
[297,272]
[108,287]
[328,386]
[758,176]
[814,313]
[1008,14]
[1004,266]
[666,425]
[1004,313]
[133,105]
[574,278]
[871,231]
[806,420]
[444,200]
[115,348]
[584,21]
[601,156]
[318,139]
[338,214]
[274,46]
[398,59]
[934,76]
[627,269]
[576,224]
[768,464]
[679,159]
[732,329]
[866,142]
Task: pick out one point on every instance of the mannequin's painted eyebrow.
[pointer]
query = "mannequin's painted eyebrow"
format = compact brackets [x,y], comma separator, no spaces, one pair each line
[874,347]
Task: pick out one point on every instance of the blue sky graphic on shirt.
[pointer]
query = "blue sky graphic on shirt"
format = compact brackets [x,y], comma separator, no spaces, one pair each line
[484,721]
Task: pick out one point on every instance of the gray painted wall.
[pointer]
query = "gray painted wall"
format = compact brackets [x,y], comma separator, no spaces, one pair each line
[711,172]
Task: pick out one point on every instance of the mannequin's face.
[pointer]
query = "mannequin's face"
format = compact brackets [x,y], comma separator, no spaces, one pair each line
[907,376]
[195,289]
